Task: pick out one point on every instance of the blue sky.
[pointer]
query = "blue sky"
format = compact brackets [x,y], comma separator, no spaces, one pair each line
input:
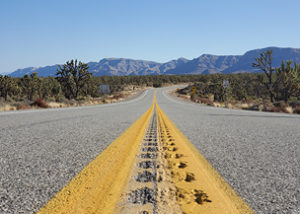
[46,32]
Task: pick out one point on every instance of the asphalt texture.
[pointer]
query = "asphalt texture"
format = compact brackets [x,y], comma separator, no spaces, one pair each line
[42,150]
[257,153]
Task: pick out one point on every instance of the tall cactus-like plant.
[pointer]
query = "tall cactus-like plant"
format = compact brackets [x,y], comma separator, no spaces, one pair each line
[288,83]
[8,86]
[73,76]
[264,63]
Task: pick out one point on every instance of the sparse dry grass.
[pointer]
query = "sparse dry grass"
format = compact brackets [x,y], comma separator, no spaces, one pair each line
[243,105]
[7,107]
[289,110]
[22,106]
[56,105]
[40,103]
[257,105]
[217,104]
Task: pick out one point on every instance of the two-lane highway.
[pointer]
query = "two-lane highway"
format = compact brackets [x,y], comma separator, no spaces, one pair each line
[256,153]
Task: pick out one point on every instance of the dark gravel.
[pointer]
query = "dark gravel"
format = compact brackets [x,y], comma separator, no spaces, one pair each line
[142,196]
[145,176]
[146,164]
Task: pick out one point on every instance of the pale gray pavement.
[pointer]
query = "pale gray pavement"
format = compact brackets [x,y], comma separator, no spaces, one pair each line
[42,150]
[256,153]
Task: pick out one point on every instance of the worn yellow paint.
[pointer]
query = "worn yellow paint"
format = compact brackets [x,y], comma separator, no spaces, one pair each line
[199,187]
[96,189]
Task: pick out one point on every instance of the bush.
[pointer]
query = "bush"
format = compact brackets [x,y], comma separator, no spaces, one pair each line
[22,106]
[297,110]
[40,103]
[205,101]
[268,106]
[157,85]
[118,96]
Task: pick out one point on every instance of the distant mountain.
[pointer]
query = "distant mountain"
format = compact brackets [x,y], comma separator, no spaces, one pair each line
[121,66]
[244,63]
[167,67]
[42,71]
[205,64]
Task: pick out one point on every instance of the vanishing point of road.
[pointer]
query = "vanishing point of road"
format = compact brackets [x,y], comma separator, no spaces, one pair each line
[256,153]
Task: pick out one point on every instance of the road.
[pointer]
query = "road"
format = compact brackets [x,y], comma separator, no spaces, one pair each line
[256,153]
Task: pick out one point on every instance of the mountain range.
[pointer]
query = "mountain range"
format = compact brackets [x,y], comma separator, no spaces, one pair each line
[205,64]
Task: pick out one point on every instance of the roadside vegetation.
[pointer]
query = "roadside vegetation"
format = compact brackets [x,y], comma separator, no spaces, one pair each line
[274,90]
[72,86]
[75,86]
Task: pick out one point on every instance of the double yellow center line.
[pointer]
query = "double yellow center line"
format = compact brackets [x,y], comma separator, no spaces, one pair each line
[186,182]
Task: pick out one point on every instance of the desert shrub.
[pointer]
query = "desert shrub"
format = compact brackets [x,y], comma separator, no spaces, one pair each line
[118,96]
[276,109]
[205,101]
[40,103]
[268,106]
[157,84]
[22,106]
[297,110]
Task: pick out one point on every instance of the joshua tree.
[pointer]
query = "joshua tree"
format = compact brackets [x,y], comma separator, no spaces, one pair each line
[264,63]
[7,86]
[288,79]
[73,77]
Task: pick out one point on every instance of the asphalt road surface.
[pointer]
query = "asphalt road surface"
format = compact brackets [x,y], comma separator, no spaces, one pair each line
[257,153]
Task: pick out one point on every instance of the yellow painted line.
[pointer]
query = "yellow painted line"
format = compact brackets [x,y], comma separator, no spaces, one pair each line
[199,187]
[96,189]
[188,182]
